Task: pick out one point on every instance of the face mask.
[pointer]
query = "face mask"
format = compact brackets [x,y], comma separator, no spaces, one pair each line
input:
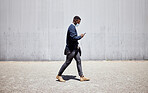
[77,25]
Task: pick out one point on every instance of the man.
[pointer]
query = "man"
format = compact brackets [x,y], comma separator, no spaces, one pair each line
[72,50]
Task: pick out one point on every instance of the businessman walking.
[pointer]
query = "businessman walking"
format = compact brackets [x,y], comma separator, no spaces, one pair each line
[72,50]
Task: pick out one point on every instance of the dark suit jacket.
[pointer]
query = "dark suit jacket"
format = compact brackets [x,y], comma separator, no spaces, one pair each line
[72,40]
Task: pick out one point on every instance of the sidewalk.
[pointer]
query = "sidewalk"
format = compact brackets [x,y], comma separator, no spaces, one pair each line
[105,77]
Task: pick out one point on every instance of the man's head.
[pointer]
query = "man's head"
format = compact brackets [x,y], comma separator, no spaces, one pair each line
[76,20]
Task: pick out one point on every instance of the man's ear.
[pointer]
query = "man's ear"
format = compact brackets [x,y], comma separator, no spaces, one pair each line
[75,22]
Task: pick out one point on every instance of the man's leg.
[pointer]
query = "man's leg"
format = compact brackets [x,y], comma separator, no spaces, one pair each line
[79,66]
[67,62]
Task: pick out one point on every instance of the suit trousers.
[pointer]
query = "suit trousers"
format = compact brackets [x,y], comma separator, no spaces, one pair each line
[76,55]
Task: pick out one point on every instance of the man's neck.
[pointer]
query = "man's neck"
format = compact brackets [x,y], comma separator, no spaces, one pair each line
[73,24]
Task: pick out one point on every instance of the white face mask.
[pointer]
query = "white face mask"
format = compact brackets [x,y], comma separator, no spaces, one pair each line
[77,25]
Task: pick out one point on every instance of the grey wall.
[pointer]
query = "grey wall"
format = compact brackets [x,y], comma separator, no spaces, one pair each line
[36,29]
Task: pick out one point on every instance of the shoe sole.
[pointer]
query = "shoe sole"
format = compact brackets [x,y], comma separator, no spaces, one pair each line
[85,80]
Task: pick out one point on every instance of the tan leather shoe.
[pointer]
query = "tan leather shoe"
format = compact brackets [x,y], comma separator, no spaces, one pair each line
[82,78]
[60,78]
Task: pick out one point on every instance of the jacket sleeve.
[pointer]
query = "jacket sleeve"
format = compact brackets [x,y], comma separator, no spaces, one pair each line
[73,34]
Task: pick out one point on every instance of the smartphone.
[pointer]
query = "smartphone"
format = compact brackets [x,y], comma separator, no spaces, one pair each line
[84,33]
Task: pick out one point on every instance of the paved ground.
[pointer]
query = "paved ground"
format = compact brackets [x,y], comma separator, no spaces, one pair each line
[105,77]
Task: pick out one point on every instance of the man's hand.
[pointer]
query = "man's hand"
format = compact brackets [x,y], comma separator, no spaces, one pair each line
[82,35]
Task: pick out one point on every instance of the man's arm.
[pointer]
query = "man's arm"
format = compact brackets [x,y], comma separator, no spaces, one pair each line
[73,34]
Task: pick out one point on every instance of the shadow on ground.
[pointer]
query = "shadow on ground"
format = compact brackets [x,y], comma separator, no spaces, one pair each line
[69,77]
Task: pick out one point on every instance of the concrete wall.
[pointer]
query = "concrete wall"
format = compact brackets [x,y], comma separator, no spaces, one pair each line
[36,29]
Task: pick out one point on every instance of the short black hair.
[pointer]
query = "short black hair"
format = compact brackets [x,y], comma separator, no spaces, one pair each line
[76,18]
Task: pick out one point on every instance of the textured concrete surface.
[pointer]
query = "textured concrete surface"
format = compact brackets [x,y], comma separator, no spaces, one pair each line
[35,30]
[105,77]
